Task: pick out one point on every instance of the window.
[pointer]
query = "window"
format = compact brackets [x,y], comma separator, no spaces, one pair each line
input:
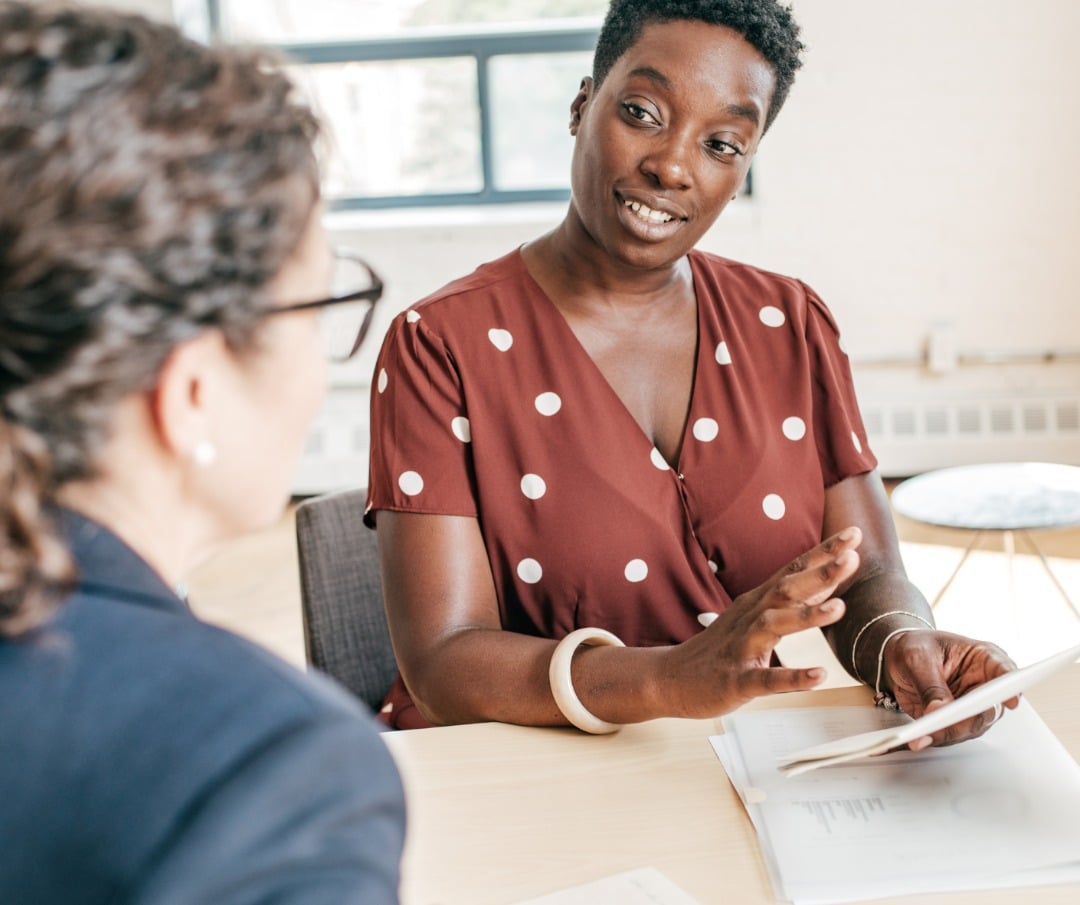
[432,102]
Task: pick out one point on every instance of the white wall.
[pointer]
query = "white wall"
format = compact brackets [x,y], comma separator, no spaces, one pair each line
[923,170]
[921,176]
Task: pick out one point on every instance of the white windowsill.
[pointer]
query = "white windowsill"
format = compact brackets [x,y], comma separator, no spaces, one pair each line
[455,215]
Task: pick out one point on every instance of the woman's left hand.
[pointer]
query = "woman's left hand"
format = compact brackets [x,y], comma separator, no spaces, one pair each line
[927,669]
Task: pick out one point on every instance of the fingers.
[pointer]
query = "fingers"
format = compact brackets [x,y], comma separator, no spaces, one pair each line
[815,576]
[933,695]
[808,580]
[963,731]
[801,600]
[929,669]
[773,624]
[756,683]
[824,553]
[797,598]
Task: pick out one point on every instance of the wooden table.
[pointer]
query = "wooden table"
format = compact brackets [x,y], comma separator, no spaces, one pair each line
[500,813]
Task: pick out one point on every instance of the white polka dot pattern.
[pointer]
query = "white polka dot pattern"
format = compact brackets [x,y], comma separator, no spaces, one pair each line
[772,316]
[410,483]
[794,428]
[533,486]
[774,507]
[462,429]
[706,430]
[500,339]
[529,571]
[548,403]
[763,380]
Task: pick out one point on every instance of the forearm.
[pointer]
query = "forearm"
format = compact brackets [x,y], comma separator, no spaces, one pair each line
[481,675]
[877,606]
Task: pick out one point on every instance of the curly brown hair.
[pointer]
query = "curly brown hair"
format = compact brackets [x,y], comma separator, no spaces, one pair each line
[152,187]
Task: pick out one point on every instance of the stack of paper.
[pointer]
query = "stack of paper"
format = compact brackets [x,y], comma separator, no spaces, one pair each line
[1000,811]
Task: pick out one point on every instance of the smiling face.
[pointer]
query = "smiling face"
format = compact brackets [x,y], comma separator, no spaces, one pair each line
[666,140]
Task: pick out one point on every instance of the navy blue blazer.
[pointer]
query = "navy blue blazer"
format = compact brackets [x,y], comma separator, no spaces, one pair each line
[148,757]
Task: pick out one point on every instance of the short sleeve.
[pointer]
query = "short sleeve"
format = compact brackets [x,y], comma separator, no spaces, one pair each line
[838,427]
[420,455]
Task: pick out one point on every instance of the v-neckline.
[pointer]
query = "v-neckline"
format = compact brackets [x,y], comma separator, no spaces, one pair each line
[564,326]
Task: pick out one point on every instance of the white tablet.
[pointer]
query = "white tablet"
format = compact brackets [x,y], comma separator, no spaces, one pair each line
[865,744]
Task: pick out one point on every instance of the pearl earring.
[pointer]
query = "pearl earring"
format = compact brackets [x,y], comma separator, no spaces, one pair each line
[204,454]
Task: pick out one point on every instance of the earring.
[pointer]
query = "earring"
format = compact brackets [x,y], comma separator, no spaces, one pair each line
[204,454]
[733,197]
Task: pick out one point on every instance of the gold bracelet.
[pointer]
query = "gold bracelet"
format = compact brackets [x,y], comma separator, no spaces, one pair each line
[562,685]
[858,636]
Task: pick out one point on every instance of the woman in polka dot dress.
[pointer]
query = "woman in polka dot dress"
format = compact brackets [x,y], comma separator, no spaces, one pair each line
[611,438]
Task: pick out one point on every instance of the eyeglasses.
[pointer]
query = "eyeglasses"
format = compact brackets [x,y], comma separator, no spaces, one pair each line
[346,316]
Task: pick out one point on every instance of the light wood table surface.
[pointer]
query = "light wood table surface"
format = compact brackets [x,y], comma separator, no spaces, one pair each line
[501,813]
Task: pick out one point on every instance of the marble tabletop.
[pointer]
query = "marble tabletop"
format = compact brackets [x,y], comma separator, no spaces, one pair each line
[1005,496]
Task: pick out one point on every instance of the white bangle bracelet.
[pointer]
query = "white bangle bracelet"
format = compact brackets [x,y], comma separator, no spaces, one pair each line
[562,685]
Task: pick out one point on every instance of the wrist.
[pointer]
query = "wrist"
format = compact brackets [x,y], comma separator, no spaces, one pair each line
[562,685]
[883,690]
[870,639]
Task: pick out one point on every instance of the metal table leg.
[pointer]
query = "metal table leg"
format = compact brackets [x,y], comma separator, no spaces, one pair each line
[1050,572]
[963,559]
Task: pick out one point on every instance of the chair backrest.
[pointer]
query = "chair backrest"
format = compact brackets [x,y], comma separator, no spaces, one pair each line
[345,630]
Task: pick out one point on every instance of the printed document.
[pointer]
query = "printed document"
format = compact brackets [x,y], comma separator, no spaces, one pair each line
[995,812]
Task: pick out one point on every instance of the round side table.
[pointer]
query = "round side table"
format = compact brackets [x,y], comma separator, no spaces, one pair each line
[1010,497]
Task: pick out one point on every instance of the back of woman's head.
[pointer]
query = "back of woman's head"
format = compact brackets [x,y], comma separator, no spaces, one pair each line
[151,187]
[767,25]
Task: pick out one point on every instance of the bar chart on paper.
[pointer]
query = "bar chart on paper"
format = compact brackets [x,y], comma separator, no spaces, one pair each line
[837,814]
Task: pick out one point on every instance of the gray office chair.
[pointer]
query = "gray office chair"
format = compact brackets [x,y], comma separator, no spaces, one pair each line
[345,630]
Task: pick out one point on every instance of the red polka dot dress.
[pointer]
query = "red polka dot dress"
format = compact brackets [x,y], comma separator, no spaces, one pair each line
[485,404]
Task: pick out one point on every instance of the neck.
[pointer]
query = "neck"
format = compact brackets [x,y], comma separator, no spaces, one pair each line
[165,536]
[569,261]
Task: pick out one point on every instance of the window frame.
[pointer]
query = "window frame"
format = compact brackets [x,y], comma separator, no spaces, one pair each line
[479,42]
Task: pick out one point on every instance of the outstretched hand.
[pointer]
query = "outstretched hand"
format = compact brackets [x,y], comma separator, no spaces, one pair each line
[728,664]
[927,669]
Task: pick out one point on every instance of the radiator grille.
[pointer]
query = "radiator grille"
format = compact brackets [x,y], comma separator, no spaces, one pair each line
[909,437]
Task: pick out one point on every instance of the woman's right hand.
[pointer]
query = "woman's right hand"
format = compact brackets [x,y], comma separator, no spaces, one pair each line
[461,666]
[728,664]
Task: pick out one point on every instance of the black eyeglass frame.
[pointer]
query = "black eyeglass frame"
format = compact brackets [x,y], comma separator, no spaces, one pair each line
[372,294]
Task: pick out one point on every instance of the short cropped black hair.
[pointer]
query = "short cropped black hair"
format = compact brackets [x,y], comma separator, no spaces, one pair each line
[767,25]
